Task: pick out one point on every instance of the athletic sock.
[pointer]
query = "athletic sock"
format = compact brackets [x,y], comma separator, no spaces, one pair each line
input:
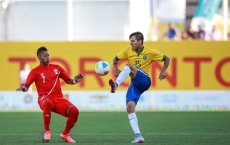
[134,123]
[46,118]
[123,75]
[71,120]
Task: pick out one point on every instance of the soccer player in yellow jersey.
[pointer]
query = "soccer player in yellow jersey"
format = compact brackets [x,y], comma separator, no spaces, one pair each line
[138,68]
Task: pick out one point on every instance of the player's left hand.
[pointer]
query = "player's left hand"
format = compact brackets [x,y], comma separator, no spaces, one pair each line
[162,75]
[78,77]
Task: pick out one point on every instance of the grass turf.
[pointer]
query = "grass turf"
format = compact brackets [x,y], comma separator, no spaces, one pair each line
[110,128]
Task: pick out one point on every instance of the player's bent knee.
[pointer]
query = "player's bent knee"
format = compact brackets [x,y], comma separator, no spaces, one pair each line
[73,111]
[130,107]
[47,103]
[132,70]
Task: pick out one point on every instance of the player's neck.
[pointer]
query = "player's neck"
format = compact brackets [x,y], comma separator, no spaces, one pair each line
[140,49]
[41,64]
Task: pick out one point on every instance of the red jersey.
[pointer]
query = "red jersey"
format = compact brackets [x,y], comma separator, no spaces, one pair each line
[47,80]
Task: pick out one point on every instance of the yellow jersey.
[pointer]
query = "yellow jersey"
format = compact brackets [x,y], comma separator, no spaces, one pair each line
[143,59]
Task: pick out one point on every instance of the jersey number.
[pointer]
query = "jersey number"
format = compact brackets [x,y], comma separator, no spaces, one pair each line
[43,78]
[138,63]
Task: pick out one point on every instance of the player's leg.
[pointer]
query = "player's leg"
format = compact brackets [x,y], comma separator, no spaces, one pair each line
[132,117]
[135,127]
[67,109]
[132,98]
[140,83]
[72,113]
[46,105]
[127,70]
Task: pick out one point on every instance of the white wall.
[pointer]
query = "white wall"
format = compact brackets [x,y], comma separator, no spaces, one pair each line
[97,20]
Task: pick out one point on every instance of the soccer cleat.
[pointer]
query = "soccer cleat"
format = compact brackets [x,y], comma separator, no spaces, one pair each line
[67,138]
[113,85]
[138,139]
[47,136]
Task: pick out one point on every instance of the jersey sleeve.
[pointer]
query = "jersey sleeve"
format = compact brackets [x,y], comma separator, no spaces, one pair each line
[123,54]
[63,74]
[156,55]
[30,78]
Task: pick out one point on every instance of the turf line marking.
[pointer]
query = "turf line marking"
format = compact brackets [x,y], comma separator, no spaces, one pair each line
[112,134]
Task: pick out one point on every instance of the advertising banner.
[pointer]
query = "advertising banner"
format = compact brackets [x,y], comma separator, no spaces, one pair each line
[104,100]
[194,65]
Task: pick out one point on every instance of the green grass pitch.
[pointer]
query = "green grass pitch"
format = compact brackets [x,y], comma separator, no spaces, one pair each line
[112,128]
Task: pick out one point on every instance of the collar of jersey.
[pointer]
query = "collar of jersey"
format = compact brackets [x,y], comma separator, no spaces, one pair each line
[140,51]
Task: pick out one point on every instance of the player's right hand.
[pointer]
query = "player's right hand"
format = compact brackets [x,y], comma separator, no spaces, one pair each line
[117,72]
[22,88]
[19,89]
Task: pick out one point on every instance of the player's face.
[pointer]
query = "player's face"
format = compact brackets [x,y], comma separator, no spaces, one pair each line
[135,44]
[44,58]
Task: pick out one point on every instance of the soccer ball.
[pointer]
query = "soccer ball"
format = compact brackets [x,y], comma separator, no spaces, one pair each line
[102,68]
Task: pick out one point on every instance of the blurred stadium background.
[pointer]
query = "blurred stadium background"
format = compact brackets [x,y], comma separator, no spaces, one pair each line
[190,107]
[81,20]
[80,32]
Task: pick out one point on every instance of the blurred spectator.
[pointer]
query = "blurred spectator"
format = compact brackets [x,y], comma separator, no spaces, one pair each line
[172,33]
[215,34]
[24,72]
[185,36]
[191,33]
[200,34]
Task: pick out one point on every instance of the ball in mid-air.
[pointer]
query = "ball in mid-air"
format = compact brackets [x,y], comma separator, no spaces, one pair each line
[102,68]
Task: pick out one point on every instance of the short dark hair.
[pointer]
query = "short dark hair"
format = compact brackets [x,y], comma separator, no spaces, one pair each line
[138,35]
[41,49]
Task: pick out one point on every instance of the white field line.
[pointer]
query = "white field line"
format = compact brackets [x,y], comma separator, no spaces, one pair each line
[115,134]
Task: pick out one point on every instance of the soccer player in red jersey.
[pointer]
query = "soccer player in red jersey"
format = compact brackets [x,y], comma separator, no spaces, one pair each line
[50,98]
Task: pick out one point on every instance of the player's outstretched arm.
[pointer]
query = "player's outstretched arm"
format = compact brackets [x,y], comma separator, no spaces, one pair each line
[76,79]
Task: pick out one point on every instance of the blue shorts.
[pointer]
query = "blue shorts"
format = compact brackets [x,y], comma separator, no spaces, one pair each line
[138,85]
